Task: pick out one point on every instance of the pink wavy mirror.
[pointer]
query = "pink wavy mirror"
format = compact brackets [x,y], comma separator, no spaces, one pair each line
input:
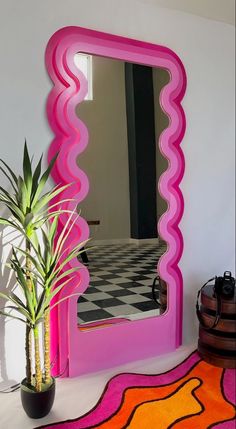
[81,351]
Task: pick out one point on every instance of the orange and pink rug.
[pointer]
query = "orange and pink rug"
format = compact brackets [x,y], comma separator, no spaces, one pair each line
[193,395]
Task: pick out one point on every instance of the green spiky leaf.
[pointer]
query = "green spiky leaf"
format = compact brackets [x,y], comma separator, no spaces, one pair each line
[3,313]
[36,176]
[27,169]
[43,181]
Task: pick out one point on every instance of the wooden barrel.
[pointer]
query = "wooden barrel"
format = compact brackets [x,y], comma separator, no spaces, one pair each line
[217,345]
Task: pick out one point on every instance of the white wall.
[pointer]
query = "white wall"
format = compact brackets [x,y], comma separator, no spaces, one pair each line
[206,48]
[219,10]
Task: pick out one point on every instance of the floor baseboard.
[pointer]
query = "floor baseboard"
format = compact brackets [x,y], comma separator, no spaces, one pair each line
[125,241]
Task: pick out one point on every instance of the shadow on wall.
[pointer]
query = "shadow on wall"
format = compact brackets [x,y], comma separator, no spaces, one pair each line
[7,283]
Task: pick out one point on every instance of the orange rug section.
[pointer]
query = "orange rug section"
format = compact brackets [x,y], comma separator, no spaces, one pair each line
[195,401]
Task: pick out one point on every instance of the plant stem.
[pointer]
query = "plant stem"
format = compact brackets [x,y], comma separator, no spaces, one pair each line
[28,334]
[28,352]
[38,372]
[47,346]
[28,266]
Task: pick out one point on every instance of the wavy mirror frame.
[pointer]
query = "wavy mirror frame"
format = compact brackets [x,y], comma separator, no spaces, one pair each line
[75,351]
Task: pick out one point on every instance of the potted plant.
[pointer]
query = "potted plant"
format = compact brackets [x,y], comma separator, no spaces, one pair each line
[41,272]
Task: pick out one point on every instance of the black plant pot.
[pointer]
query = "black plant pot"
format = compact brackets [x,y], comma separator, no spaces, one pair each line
[37,404]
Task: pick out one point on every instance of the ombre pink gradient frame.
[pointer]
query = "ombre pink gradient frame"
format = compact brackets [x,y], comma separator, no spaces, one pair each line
[92,350]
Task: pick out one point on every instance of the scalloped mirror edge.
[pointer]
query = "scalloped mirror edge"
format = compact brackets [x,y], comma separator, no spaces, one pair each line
[73,351]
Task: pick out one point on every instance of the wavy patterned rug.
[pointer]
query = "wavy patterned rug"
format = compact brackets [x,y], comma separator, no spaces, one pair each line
[193,395]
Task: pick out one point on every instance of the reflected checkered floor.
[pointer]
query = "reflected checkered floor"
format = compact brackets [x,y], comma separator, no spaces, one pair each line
[121,278]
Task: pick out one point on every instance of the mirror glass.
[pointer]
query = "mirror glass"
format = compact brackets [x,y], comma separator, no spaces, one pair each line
[123,163]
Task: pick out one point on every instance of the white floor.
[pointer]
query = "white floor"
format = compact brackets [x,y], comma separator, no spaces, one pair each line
[76,396]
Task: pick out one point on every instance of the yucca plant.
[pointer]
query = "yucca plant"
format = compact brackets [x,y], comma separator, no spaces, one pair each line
[48,276]
[40,277]
[50,271]
[28,206]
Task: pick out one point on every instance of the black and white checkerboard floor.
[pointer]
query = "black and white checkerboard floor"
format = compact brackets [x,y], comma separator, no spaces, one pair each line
[121,278]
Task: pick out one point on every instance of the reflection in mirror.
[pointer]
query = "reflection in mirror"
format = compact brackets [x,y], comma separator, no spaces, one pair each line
[123,163]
